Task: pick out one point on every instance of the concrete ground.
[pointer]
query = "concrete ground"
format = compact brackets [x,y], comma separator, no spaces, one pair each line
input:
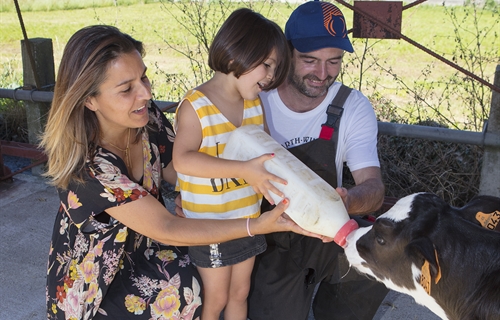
[27,210]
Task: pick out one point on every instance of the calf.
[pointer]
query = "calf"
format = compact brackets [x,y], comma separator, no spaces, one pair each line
[438,254]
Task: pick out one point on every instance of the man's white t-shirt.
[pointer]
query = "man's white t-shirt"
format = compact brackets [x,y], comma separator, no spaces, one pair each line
[357,141]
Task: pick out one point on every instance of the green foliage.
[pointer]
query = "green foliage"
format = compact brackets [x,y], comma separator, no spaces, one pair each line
[413,85]
[13,123]
[199,22]
[9,78]
[12,113]
[54,5]
[422,87]
[476,48]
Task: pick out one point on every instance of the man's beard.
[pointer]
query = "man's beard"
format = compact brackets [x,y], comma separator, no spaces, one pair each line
[299,83]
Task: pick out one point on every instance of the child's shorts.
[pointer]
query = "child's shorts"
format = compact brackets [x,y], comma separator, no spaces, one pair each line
[227,253]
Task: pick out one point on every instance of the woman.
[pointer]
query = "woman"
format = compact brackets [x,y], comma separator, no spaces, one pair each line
[115,248]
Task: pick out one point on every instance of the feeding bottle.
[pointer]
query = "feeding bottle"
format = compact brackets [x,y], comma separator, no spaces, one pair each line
[314,204]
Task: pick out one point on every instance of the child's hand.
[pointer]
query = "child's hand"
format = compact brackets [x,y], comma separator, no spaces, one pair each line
[260,179]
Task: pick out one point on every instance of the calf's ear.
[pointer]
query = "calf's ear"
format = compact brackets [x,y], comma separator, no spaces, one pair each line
[384,226]
[483,211]
[421,250]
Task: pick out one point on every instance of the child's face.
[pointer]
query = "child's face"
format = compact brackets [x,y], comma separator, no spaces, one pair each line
[256,80]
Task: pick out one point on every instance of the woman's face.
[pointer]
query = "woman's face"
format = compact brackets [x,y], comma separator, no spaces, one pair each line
[124,95]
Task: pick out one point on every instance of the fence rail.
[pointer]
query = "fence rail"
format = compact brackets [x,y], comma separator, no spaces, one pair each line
[385,128]
[489,138]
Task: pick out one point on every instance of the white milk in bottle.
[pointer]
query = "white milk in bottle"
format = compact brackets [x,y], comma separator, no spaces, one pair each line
[314,204]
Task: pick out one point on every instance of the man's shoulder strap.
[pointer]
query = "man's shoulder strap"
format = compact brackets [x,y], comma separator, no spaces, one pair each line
[329,129]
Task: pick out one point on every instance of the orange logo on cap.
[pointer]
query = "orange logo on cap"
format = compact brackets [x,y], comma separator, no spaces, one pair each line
[329,11]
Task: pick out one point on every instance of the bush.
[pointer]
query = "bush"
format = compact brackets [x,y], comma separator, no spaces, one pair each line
[13,123]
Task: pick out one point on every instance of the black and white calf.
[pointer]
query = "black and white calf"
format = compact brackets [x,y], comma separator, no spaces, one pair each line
[438,254]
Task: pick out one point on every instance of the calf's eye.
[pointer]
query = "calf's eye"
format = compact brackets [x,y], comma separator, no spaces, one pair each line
[380,240]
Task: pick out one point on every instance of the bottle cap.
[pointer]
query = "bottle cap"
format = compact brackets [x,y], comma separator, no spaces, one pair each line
[348,227]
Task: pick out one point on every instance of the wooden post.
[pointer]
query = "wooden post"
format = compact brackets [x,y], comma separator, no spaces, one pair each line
[36,112]
[490,171]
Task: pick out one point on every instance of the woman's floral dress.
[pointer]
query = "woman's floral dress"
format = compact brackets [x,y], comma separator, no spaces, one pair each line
[100,269]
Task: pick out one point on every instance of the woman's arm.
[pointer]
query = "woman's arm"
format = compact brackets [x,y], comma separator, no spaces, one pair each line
[148,217]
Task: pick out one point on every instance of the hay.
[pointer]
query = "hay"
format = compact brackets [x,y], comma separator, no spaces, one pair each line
[450,170]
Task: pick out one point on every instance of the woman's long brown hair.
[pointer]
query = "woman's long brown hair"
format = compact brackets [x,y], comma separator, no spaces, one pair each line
[72,131]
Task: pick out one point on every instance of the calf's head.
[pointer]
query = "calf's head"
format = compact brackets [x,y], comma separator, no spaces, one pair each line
[397,250]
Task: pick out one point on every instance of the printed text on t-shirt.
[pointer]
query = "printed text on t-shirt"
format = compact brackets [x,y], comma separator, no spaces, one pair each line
[297,142]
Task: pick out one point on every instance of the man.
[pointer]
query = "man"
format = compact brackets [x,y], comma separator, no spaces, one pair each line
[286,275]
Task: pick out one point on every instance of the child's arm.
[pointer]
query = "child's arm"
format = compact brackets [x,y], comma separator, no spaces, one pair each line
[169,174]
[187,160]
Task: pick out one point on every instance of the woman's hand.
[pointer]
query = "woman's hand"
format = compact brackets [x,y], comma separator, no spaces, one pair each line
[260,179]
[276,220]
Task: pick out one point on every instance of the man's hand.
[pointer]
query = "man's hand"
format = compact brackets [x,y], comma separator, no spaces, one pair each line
[367,195]
[343,194]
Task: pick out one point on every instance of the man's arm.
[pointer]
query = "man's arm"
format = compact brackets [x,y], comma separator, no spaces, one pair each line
[368,194]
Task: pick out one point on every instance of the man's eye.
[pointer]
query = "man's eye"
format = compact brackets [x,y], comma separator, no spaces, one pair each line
[126,90]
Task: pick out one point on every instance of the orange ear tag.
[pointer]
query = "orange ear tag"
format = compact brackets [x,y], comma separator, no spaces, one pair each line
[425,278]
[489,221]
[438,275]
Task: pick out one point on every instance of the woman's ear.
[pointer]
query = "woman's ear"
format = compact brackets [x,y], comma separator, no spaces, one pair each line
[89,103]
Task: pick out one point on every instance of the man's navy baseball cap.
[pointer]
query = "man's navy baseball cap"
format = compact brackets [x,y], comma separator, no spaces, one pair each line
[316,25]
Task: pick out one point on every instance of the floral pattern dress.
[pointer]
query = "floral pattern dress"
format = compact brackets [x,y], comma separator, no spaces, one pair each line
[100,269]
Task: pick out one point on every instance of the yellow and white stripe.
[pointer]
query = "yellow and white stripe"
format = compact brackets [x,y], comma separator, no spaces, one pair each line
[218,198]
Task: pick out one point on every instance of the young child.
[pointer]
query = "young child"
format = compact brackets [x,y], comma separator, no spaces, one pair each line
[249,54]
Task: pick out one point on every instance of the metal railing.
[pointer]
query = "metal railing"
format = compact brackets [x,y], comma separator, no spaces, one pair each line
[385,128]
[483,138]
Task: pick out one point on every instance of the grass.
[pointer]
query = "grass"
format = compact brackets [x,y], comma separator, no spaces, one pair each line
[53,5]
[153,22]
